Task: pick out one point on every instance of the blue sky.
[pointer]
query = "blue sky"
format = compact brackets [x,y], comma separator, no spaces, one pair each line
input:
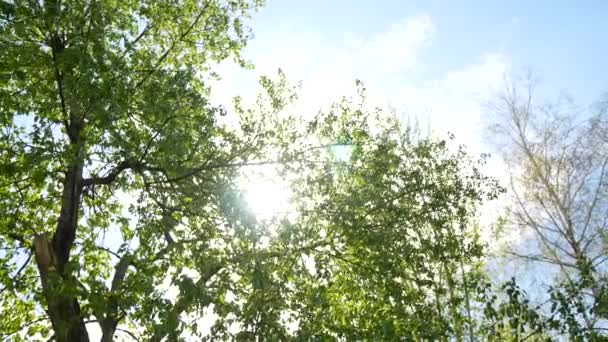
[562,41]
[439,62]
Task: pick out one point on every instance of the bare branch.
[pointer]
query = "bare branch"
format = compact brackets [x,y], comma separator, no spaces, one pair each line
[540,258]
[594,200]
[125,331]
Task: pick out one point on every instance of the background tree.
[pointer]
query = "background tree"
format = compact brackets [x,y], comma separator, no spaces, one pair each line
[391,217]
[558,157]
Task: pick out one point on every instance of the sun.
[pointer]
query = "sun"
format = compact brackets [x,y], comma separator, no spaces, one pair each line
[266,195]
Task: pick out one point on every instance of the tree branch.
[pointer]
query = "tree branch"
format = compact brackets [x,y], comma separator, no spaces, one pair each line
[109,320]
[540,258]
[113,174]
[174,44]
[133,336]
[18,273]
[182,303]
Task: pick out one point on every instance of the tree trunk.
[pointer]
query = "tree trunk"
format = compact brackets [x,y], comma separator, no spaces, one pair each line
[59,285]
[108,329]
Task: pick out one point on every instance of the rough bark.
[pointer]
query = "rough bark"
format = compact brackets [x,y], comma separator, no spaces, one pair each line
[52,257]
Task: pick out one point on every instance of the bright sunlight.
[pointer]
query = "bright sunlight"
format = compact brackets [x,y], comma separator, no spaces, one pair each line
[266,194]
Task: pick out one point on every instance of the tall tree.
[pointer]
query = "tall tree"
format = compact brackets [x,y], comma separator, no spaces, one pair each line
[98,96]
[558,157]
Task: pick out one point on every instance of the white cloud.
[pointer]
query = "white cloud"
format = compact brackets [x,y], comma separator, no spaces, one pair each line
[455,103]
[396,49]
[328,68]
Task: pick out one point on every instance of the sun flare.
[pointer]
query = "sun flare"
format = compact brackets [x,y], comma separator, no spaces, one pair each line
[267,197]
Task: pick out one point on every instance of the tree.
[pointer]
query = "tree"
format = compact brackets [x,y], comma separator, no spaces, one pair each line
[97,97]
[383,245]
[559,161]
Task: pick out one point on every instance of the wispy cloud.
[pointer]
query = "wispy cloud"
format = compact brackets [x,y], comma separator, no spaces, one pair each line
[327,67]
[396,49]
[385,60]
